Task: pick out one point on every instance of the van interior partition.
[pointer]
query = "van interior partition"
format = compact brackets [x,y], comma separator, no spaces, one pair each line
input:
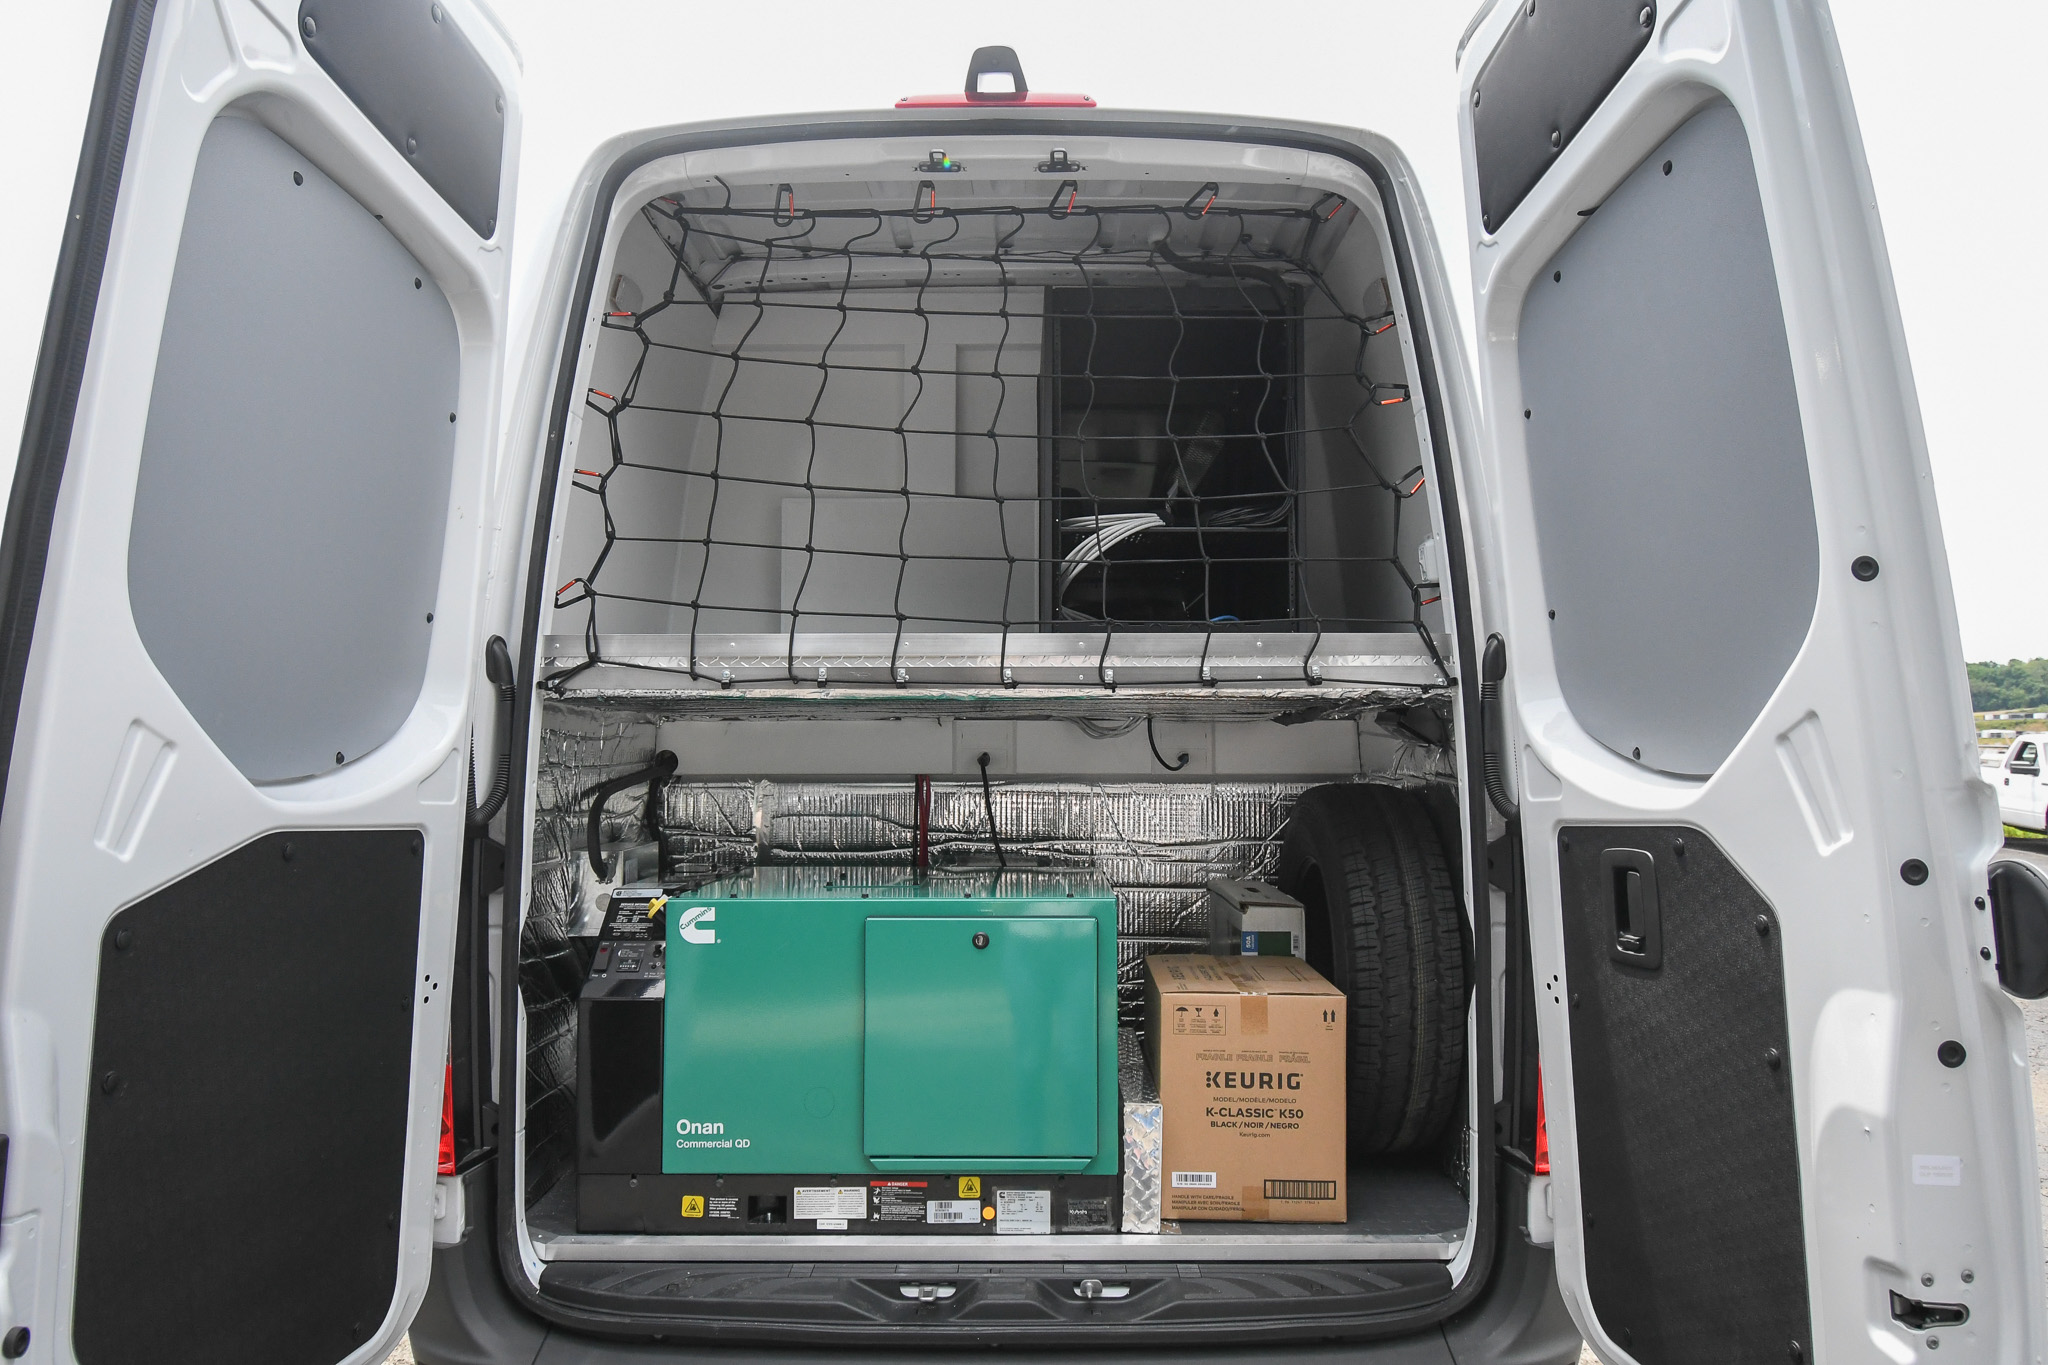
[926,525]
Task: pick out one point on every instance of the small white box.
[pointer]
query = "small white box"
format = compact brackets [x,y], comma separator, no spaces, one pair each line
[1256,919]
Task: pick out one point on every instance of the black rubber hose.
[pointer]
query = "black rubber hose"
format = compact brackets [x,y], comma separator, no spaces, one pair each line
[1170,767]
[988,803]
[1493,724]
[1233,267]
[498,668]
[656,774]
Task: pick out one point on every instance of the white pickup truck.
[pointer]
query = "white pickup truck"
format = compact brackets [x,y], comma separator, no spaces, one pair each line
[2017,777]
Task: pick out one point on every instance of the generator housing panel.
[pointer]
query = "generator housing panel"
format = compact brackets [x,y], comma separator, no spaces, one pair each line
[860,1021]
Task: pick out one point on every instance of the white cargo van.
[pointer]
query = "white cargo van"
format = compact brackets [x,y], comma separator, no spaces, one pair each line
[992,479]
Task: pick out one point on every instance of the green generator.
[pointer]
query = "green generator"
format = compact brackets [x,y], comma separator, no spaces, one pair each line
[874,1021]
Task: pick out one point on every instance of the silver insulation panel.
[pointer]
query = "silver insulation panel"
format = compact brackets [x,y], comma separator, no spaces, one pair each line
[1157,844]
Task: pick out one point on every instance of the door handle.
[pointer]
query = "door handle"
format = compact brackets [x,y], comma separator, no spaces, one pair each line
[1628,878]
[1920,1316]
[498,668]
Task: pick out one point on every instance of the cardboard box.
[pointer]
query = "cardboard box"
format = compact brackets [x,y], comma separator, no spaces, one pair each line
[1248,1053]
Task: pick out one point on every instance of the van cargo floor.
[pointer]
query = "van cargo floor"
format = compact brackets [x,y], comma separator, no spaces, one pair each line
[1397,1214]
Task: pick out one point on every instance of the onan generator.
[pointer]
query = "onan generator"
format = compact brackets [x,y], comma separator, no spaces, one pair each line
[855,1049]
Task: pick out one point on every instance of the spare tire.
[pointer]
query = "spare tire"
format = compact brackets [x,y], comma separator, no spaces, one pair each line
[1383,924]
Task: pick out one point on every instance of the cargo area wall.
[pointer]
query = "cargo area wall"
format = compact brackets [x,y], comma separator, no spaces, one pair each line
[1156,842]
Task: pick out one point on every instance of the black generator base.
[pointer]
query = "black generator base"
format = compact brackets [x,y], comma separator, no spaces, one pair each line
[888,1205]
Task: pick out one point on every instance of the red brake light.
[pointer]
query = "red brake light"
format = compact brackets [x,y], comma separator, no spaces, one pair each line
[1032,99]
[447,1162]
[1542,1129]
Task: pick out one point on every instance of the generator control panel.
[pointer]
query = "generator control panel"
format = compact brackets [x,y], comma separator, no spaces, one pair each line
[632,945]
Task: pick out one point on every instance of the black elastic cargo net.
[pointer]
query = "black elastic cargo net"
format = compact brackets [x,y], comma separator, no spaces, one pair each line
[1157,418]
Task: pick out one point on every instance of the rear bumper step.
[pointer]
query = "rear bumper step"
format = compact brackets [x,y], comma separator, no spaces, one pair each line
[963,1302]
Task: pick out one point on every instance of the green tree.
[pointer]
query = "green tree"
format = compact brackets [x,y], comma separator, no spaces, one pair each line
[2011,686]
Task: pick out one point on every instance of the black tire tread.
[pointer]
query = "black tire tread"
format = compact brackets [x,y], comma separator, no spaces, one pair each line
[1398,952]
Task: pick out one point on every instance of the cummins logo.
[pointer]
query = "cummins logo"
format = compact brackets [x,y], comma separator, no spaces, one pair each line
[692,1126]
[695,925]
[1253,1080]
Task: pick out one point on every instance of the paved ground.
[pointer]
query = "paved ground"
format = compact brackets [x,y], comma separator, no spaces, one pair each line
[2037,1050]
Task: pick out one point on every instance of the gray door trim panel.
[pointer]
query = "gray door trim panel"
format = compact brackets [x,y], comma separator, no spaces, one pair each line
[1667,460]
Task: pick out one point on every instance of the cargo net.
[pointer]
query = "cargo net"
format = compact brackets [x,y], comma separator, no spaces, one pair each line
[872,425]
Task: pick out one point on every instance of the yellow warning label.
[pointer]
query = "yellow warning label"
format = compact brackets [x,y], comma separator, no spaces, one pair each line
[693,1206]
[970,1187]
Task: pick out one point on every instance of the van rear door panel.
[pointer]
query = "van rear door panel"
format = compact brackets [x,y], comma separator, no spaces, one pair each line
[245,562]
[1784,1092]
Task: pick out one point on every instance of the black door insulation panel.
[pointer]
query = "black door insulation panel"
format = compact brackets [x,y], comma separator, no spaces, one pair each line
[418,79]
[245,1128]
[1549,72]
[1682,1085]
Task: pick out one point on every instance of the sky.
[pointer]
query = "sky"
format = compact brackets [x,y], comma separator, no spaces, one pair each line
[1950,122]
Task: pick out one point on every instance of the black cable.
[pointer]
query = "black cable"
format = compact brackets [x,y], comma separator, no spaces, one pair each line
[988,803]
[1170,767]
[655,774]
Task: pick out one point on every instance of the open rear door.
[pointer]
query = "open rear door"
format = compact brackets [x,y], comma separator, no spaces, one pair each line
[239,637]
[1788,1106]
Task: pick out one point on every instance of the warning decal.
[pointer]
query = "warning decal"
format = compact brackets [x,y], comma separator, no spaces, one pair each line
[898,1201]
[830,1201]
